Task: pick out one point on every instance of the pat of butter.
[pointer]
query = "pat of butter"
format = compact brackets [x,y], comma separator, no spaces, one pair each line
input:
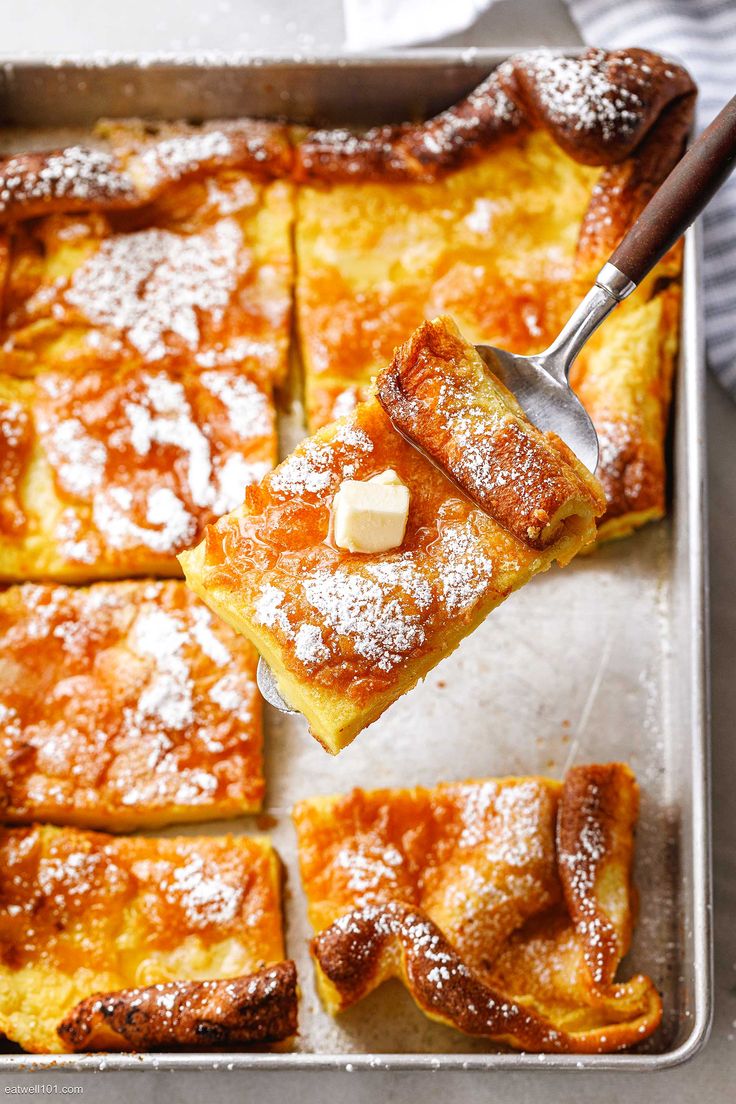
[370,515]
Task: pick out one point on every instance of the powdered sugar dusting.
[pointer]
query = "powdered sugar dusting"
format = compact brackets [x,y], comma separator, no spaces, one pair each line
[379,627]
[402,573]
[171,724]
[15,439]
[577,94]
[232,478]
[79,460]
[164,416]
[491,841]
[309,646]
[373,938]
[74,173]
[464,567]
[370,871]
[203,633]
[151,286]
[525,468]
[131,902]
[480,217]
[621,467]
[72,545]
[172,158]
[512,835]
[232,694]
[160,636]
[266,352]
[13,423]
[374,610]
[203,893]
[345,403]
[170,525]
[300,474]
[248,409]
[10,722]
[269,609]
[143,416]
[582,866]
[318,465]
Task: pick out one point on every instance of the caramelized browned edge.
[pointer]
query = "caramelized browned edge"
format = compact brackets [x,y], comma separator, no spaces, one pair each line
[259,1008]
[134,164]
[596,821]
[512,98]
[595,834]
[397,389]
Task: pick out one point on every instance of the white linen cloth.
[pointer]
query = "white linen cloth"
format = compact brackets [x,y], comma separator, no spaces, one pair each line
[377,24]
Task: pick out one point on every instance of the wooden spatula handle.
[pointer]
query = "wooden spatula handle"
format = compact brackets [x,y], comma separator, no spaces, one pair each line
[677,203]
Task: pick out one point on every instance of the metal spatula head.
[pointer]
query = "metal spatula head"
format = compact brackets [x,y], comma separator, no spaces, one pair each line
[547,400]
[267,686]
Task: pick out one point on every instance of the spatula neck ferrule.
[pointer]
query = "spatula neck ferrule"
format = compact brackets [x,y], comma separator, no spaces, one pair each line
[612,280]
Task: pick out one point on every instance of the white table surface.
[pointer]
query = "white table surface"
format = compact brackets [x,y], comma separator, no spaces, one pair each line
[310,26]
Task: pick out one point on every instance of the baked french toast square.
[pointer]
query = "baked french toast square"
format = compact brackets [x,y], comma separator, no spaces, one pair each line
[84,913]
[504,905]
[348,632]
[124,705]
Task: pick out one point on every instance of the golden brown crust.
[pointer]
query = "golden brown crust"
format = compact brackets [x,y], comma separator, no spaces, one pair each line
[158,154]
[623,378]
[502,919]
[631,468]
[148,343]
[595,846]
[16,443]
[524,142]
[362,945]
[624,189]
[598,107]
[367,946]
[441,397]
[110,472]
[627,110]
[347,634]
[408,151]
[70,179]
[124,705]
[85,912]
[260,1008]
[141,160]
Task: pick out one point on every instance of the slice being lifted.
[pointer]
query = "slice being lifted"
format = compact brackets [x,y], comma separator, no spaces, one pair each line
[346,633]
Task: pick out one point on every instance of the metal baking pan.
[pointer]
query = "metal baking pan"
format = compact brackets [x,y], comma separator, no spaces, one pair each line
[627,681]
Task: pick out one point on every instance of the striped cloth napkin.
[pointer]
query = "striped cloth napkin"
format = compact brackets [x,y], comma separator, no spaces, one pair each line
[702,34]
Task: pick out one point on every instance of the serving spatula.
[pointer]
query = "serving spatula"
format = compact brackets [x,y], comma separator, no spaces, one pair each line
[541,382]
